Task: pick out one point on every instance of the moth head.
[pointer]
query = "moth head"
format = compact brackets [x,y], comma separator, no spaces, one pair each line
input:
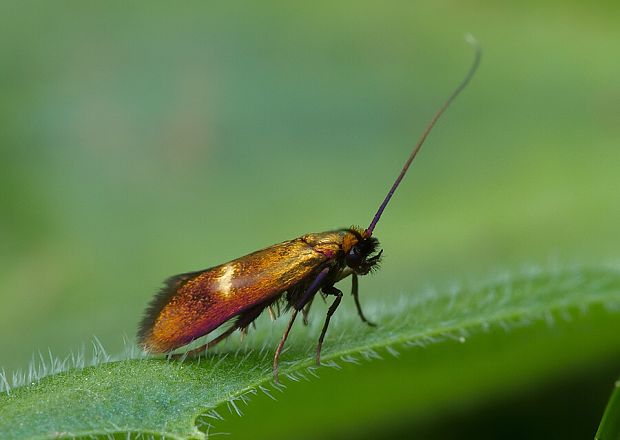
[361,252]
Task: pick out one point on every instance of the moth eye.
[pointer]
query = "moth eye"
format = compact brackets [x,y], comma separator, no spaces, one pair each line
[354,258]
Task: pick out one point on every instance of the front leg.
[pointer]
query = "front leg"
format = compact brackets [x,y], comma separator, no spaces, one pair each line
[354,292]
[331,290]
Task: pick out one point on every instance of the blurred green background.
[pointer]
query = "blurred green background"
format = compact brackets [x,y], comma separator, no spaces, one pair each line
[141,140]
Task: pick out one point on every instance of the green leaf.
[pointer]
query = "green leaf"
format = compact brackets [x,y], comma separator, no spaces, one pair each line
[609,428]
[179,399]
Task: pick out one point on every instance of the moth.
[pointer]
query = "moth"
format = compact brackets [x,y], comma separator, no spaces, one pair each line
[291,273]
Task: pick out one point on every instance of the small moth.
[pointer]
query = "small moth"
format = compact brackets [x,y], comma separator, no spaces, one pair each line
[291,273]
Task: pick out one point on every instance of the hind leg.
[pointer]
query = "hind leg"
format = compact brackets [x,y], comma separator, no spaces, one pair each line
[200,350]
[242,323]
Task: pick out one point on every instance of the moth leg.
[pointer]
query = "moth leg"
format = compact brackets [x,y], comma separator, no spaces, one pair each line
[200,350]
[354,292]
[272,313]
[248,317]
[312,289]
[306,310]
[243,332]
[307,296]
[276,358]
[242,323]
[330,291]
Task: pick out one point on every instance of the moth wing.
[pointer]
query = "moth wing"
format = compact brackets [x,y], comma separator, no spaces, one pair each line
[193,304]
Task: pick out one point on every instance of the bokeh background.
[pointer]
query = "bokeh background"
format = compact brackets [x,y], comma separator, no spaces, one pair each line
[143,139]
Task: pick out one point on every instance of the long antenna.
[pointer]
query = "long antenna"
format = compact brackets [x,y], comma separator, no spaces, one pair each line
[472,70]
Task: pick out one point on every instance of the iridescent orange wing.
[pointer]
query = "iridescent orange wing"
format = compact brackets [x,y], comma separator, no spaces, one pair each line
[193,304]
